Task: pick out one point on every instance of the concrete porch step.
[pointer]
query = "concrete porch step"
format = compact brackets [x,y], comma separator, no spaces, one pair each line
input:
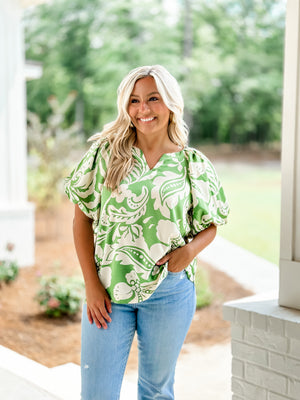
[25,379]
[14,387]
[67,378]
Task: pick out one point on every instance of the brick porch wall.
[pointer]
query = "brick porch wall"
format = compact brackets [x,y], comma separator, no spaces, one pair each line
[265,349]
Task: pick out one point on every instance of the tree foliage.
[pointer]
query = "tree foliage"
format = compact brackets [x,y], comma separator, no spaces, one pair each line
[227,56]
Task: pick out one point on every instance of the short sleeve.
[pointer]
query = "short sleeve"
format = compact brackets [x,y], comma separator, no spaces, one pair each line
[209,204]
[84,185]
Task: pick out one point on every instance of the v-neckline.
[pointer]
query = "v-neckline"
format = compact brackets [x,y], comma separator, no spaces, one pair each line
[142,155]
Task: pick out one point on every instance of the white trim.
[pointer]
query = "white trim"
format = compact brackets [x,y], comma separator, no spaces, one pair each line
[289,128]
[289,293]
[289,284]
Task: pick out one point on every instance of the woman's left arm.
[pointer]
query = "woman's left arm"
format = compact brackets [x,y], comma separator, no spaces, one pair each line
[181,257]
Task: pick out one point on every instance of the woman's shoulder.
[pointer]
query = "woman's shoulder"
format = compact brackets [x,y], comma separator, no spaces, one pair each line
[99,148]
[195,155]
[99,143]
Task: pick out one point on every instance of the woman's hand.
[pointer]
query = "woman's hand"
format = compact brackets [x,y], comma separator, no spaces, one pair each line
[178,259]
[98,301]
[98,305]
[181,257]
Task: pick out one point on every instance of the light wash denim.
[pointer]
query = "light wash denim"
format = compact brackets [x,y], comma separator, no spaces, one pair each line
[161,322]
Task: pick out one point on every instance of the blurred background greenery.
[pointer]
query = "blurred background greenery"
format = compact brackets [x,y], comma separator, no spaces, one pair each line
[227,56]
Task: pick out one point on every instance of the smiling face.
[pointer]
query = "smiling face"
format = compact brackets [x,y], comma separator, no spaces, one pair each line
[146,108]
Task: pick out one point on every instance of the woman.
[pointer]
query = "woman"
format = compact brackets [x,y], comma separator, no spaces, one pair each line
[145,206]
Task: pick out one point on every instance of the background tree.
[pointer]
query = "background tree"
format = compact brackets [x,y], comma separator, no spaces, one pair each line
[227,56]
[239,45]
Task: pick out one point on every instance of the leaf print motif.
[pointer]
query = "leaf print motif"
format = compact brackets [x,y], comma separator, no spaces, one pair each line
[167,232]
[133,232]
[196,169]
[84,184]
[102,235]
[105,276]
[133,287]
[146,220]
[170,192]
[124,214]
[139,168]
[170,187]
[122,291]
[136,202]
[202,191]
[138,257]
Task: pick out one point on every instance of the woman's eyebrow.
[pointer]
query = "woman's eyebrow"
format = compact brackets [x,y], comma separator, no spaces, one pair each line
[149,94]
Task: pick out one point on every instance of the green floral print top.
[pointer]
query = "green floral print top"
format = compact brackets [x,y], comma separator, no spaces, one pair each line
[152,212]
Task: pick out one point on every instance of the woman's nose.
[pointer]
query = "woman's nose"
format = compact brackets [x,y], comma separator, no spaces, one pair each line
[144,106]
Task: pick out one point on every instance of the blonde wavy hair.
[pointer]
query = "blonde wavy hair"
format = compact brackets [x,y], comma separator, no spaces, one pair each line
[121,133]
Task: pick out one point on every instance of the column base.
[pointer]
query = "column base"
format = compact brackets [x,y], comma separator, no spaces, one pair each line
[17,227]
[265,343]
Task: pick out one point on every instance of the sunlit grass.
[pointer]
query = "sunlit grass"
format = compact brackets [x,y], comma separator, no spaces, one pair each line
[254,196]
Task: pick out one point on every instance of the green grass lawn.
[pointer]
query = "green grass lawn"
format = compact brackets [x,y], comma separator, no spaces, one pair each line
[253,193]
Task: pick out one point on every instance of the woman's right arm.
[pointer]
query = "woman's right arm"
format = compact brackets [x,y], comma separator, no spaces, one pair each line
[98,301]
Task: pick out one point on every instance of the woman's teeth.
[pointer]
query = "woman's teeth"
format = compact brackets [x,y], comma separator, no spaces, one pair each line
[147,119]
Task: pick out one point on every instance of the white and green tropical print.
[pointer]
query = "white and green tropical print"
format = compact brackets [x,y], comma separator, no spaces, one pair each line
[151,213]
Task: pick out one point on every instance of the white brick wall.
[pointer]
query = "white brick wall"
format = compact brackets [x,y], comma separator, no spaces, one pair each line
[265,349]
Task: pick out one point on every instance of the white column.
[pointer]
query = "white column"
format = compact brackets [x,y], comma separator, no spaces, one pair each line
[289,292]
[16,214]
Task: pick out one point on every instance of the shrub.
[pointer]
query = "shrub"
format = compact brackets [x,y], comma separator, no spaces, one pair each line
[60,296]
[9,270]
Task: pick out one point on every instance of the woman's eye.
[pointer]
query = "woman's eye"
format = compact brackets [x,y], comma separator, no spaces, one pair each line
[134,101]
[153,98]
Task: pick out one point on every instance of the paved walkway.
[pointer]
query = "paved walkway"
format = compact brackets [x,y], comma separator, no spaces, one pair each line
[252,272]
[201,374]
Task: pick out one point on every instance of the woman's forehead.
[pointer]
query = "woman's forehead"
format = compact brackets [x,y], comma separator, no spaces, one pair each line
[144,85]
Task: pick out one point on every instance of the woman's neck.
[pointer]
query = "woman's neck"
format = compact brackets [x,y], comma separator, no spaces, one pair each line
[157,146]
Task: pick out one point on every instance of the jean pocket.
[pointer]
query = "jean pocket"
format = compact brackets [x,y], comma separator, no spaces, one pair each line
[179,274]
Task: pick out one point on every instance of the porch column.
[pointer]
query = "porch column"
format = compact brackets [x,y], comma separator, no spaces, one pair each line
[265,337]
[16,214]
[289,292]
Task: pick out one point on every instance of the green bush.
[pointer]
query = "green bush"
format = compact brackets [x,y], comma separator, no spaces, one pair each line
[9,270]
[60,296]
[203,291]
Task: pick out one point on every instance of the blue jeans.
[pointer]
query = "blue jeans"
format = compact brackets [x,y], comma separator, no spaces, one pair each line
[161,322]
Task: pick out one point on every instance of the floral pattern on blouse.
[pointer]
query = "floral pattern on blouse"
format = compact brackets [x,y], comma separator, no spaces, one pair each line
[152,212]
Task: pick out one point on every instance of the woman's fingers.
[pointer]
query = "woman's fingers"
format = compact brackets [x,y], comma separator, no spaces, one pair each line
[98,319]
[89,315]
[163,260]
[108,305]
[99,315]
[104,313]
[179,259]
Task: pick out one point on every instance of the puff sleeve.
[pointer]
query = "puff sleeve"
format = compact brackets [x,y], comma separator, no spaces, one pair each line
[84,185]
[209,204]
